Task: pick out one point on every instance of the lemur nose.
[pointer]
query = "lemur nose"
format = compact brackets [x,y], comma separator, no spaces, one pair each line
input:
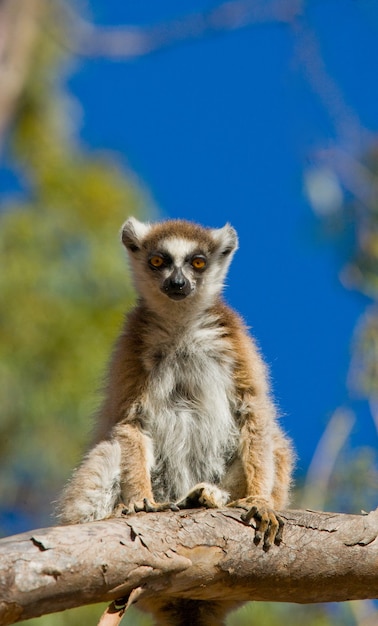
[176,286]
[178,282]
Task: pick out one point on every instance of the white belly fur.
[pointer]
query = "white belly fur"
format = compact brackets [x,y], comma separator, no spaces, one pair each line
[189,418]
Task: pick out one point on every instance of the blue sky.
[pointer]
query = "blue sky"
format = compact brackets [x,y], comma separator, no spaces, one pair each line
[223,128]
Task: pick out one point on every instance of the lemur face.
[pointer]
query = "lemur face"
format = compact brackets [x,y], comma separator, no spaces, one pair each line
[177,266]
[177,258]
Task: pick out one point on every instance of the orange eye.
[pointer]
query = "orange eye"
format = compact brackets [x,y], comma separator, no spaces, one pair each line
[198,263]
[156,261]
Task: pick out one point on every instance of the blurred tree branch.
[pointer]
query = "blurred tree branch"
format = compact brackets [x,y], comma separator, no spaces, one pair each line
[19,26]
[323,462]
[203,554]
[127,42]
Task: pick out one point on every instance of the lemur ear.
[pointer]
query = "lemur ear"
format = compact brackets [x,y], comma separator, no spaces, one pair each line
[133,232]
[227,239]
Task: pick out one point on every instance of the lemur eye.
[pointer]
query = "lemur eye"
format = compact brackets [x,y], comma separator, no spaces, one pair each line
[156,261]
[198,262]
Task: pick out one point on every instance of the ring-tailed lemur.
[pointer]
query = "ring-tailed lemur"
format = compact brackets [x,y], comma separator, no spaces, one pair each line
[188,419]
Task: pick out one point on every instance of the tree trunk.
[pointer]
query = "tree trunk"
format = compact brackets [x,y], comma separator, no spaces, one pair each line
[205,554]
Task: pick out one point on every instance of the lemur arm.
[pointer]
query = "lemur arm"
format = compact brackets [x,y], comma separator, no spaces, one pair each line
[257,458]
[135,463]
[113,478]
[258,439]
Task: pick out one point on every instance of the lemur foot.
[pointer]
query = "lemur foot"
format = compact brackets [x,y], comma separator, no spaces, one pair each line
[154,507]
[267,523]
[150,507]
[205,495]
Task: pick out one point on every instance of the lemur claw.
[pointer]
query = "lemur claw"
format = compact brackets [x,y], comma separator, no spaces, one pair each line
[267,523]
[144,505]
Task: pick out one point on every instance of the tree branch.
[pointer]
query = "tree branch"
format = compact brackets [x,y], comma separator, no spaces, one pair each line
[205,554]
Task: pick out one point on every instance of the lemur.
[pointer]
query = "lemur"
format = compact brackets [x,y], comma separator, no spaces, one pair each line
[188,419]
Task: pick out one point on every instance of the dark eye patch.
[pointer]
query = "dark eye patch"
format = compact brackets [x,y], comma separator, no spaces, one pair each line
[159,260]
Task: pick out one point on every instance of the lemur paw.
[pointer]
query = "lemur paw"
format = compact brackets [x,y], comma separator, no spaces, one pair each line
[205,495]
[148,506]
[267,523]
[154,507]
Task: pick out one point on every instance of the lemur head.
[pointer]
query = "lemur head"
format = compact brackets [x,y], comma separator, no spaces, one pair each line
[178,260]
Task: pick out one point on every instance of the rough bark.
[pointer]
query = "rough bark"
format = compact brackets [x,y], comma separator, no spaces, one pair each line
[204,554]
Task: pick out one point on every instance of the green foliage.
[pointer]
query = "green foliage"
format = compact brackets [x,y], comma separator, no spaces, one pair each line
[364,366]
[277,613]
[88,615]
[64,287]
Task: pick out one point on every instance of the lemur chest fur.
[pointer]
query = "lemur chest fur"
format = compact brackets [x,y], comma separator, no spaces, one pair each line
[189,410]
